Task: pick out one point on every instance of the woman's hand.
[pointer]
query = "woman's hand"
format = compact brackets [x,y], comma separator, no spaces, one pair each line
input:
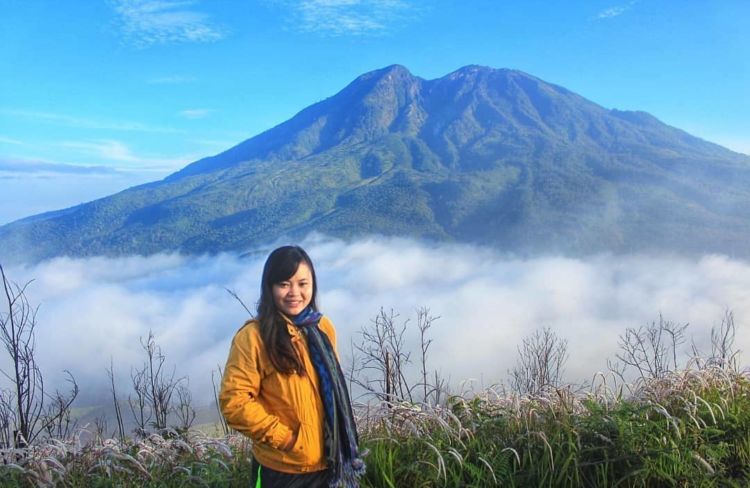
[289,444]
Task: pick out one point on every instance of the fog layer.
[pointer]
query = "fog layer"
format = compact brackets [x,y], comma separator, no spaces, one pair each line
[94,310]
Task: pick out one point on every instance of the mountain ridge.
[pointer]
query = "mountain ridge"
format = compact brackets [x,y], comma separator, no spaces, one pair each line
[484,155]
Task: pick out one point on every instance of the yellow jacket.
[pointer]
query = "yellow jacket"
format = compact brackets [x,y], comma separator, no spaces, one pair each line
[270,407]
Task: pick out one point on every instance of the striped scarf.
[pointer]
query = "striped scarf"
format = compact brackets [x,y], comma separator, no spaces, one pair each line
[344,460]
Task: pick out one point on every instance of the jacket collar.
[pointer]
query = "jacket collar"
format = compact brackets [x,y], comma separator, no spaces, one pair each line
[290,327]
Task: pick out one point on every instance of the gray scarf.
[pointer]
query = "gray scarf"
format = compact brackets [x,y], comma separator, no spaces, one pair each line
[342,453]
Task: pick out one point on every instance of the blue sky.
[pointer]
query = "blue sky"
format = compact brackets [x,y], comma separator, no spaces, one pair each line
[100,95]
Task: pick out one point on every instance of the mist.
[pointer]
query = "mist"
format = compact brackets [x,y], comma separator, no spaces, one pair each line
[23,194]
[97,310]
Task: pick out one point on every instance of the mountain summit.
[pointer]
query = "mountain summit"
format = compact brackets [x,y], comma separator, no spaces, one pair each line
[481,155]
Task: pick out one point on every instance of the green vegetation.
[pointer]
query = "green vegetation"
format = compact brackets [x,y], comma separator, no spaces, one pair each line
[168,460]
[689,428]
[495,157]
[670,426]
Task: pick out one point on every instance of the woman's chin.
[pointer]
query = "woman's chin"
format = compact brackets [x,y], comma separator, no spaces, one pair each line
[292,311]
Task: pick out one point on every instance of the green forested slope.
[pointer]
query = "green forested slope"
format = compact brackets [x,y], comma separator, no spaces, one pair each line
[482,155]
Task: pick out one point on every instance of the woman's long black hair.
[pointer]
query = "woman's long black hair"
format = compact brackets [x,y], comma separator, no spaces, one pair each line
[281,265]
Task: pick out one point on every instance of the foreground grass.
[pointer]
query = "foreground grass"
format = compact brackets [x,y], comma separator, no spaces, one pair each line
[689,429]
[168,460]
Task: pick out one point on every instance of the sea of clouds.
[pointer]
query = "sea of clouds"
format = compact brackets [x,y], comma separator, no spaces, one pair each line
[97,310]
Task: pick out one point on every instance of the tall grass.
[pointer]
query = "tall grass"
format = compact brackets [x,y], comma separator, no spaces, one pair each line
[167,459]
[689,428]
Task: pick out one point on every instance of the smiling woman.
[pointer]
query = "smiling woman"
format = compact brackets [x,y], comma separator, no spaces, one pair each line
[283,385]
[292,296]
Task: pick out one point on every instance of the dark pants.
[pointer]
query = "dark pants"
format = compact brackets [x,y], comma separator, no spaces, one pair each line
[270,478]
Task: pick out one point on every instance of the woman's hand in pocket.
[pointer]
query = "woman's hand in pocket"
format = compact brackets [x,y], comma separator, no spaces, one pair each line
[291,441]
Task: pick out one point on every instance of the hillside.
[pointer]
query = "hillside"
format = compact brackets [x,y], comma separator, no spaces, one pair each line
[490,156]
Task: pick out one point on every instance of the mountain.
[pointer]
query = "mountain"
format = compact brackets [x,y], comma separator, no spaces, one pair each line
[481,155]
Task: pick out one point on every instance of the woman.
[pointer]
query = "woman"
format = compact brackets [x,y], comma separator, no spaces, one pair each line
[283,386]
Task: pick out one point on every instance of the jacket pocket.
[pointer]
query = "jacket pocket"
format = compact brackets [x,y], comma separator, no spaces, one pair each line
[303,453]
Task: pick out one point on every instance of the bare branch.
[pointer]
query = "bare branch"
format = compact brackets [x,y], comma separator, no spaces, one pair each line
[236,297]
[651,351]
[28,416]
[540,364]
[115,401]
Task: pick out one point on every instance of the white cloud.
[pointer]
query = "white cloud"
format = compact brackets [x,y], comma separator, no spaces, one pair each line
[349,17]
[611,12]
[616,10]
[195,113]
[735,143]
[171,80]
[27,166]
[119,152]
[10,140]
[83,123]
[94,309]
[217,143]
[46,188]
[148,22]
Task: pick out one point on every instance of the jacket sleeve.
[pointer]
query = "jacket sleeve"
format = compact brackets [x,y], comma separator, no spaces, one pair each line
[238,398]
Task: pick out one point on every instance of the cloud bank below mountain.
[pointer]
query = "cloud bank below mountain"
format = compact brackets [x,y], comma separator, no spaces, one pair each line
[99,308]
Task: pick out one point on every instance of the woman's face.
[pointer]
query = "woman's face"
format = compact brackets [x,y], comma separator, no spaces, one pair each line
[292,296]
